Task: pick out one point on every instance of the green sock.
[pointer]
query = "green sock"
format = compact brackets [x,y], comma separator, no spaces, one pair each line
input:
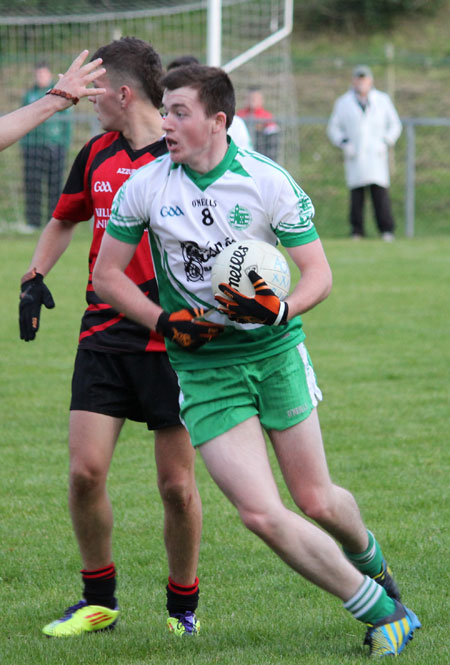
[370,603]
[370,561]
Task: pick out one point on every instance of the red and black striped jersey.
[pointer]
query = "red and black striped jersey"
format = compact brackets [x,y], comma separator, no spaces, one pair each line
[99,170]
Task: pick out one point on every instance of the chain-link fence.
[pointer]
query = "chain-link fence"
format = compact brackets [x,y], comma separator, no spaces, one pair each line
[420,182]
[299,91]
[174,28]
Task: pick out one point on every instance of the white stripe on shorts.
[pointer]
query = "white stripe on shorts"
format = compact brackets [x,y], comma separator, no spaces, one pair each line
[314,390]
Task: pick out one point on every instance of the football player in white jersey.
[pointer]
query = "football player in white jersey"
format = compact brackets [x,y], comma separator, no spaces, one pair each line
[254,372]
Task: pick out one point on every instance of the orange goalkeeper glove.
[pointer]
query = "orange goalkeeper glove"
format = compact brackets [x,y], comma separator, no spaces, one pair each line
[184,328]
[265,307]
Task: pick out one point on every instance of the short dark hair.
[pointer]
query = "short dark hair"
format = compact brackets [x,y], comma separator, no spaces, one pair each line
[213,85]
[132,60]
[183,60]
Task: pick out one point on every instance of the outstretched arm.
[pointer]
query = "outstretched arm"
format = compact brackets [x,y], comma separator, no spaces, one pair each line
[73,84]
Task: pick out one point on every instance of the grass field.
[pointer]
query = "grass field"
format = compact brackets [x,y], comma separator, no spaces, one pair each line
[381,351]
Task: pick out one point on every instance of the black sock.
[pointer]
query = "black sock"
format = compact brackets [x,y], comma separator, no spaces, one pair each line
[181,598]
[99,586]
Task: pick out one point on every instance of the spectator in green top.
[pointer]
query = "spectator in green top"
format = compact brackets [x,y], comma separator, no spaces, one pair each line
[44,152]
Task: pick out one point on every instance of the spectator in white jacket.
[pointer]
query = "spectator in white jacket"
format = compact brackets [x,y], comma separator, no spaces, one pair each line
[364,124]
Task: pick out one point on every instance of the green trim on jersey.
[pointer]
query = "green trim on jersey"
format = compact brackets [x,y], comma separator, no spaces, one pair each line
[237,168]
[124,221]
[204,180]
[292,240]
[122,232]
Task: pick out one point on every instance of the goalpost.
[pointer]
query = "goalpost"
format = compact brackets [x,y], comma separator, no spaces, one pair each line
[278,28]
[248,38]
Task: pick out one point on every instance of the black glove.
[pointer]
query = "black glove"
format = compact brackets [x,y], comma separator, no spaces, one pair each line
[33,294]
[265,307]
[184,328]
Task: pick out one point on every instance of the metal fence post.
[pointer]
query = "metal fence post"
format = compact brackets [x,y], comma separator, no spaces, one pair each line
[410,177]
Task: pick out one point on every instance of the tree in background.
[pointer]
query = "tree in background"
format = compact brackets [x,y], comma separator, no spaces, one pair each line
[360,14]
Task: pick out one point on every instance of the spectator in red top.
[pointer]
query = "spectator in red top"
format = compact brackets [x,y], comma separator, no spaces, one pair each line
[264,130]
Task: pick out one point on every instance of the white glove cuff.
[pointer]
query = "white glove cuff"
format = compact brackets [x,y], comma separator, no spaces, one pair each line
[281,312]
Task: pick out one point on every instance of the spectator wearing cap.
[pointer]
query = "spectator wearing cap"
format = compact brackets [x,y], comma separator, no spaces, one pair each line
[364,124]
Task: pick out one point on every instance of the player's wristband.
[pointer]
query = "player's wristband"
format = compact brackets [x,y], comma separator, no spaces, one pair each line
[281,319]
[63,93]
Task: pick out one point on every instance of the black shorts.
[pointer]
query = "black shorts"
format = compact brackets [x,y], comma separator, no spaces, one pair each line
[138,386]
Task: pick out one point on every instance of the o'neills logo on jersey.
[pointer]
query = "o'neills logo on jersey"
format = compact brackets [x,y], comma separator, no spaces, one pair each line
[102,186]
[126,171]
[239,217]
[235,266]
[202,203]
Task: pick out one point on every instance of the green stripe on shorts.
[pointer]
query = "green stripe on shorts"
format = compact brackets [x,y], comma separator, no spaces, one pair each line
[281,390]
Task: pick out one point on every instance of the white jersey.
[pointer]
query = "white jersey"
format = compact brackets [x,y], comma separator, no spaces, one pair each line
[240,134]
[191,217]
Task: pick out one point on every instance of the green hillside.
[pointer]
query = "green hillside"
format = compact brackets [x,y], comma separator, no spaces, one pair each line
[412,60]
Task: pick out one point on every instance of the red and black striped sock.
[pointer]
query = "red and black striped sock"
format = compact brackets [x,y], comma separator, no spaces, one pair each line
[99,586]
[181,598]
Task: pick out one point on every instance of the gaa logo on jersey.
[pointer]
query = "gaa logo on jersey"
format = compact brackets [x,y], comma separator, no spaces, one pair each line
[171,211]
[239,217]
[102,186]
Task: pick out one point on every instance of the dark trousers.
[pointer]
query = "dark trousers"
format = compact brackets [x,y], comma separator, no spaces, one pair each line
[381,205]
[43,166]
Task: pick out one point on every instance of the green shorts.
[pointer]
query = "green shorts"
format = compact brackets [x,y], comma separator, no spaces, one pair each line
[281,390]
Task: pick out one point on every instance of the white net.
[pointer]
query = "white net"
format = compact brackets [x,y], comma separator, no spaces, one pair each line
[174,29]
